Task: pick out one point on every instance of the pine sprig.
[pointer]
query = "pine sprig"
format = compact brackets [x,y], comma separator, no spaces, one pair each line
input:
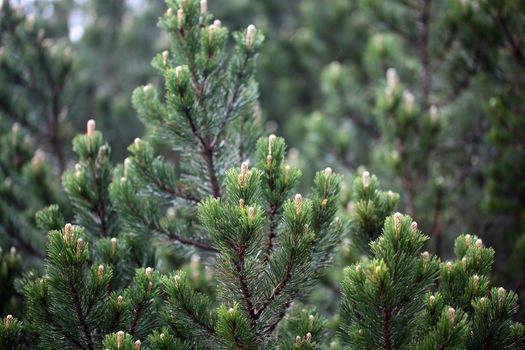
[209,95]
[371,206]
[378,307]
[10,333]
[87,184]
[305,232]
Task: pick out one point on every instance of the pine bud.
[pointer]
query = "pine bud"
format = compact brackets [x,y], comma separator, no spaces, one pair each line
[15,128]
[413,226]
[451,315]
[127,165]
[165,54]
[79,246]
[169,12]
[150,286]
[377,271]
[468,240]
[204,7]
[113,246]
[180,18]
[137,143]
[464,263]
[298,203]
[231,311]
[149,272]
[483,302]
[147,88]
[269,160]
[242,175]
[449,266]
[286,172]
[311,319]
[177,281]
[308,337]
[138,344]
[8,320]
[501,295]
[479,244]
[431,300]
[102,152]
[217,23]
[408,97]
[212,28]
[12,252]
[328,172]
[366,179]
[298,341]
[78,170]
[250,36]
[251,214]
[244,168]
[100,272]
[90,128]
[241,203]
[119,300]
[271,140]
[391,78]
[426,256]
[37,160]
[475,280]
[179,70]
[433,114]
[120,338]
[68,231]
[41,34]
[30,21]
[171,212]
[397,222]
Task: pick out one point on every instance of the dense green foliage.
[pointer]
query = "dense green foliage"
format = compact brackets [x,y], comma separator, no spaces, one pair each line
[198,239]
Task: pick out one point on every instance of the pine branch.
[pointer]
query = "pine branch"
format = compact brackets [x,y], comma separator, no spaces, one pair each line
[386,330]
[239,265]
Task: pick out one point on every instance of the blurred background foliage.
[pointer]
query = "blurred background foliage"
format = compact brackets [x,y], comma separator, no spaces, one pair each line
[427,95]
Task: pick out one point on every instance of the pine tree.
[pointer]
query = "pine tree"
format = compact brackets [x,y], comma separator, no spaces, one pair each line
[206,119]
[27,186]
[36,71]
[75,282]
[119,277]
[389,302]
[462,58]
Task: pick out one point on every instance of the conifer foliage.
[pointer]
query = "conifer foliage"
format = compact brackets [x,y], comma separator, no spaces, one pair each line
[35,71]
[391,302]
[205,181]
[206,116]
